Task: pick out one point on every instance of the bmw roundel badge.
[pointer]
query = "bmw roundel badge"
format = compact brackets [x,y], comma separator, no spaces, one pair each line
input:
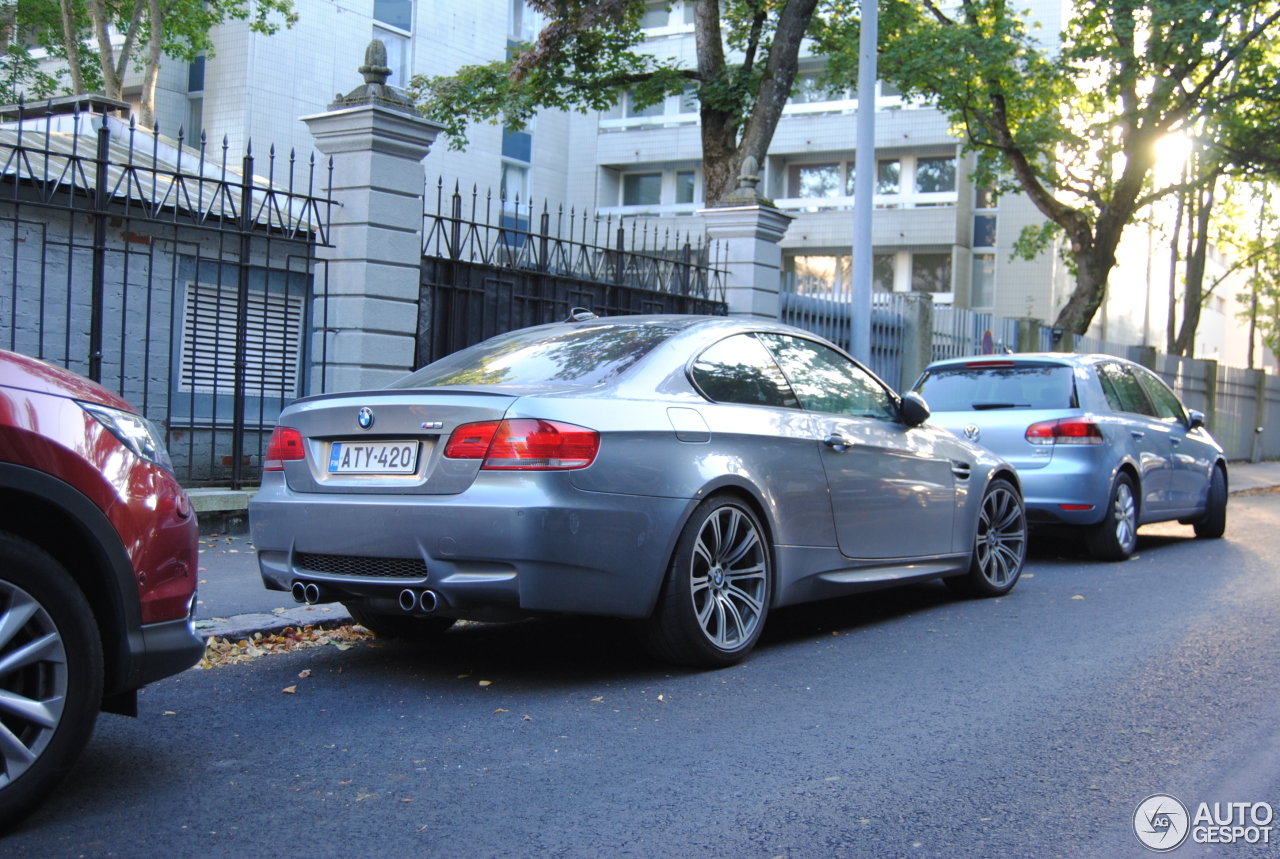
[365,418]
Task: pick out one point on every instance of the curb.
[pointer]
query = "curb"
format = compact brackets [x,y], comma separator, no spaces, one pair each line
[246,625]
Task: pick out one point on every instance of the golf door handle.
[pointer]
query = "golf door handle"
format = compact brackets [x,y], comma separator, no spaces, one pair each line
[837,442]
[1137,433]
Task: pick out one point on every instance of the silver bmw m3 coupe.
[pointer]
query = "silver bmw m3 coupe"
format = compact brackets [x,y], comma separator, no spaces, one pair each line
[692,473]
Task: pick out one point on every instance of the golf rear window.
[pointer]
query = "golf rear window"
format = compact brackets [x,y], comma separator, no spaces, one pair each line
[963,389]
[580,356]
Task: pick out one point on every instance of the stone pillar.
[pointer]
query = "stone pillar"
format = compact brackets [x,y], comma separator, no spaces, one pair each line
[917,338]
[1146,356]
[377,140]
[749,237]
[1029,335]
[749,233]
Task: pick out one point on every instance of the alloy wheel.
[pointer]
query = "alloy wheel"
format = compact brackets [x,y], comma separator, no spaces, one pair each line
[33,681]
[1125,513]
[1002,537]
[728,584]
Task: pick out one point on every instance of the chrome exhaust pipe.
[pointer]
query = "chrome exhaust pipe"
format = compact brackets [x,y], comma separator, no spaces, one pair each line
[299,591]
[418,603]
[312,593]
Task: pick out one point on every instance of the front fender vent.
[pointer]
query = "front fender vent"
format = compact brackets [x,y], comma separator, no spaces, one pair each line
[353,565]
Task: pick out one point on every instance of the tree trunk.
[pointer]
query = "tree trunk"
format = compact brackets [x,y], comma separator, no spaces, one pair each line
[71,41]
[112,87]
[147,109]
[1092,269]
[1171,332]
[1192,295]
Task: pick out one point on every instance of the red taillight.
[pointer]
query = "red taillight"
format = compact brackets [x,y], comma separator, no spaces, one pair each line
[988,364]
[1076,506]
[471,441]
[525,444]
[1065,431]
[285,445]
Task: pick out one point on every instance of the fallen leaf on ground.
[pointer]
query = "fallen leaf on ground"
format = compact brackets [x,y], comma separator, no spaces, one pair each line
[304,673]
[597,700]
[407,799]
[1077,597]
[170,713]
[486,682]
[528,718]
[500,710]
[663,700]
[348,781]
[1028,575]
[222,651]
[289,690]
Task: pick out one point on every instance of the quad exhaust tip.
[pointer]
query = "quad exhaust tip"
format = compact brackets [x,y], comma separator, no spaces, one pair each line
[418,601]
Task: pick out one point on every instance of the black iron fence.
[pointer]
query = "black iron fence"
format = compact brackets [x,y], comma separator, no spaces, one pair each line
[491,266]
[174,274]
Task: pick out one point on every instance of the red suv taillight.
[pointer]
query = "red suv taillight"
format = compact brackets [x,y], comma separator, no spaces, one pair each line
[285,445]
[1065,431]
[525,444]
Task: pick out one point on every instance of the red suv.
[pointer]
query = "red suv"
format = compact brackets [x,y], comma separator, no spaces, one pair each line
[97,570]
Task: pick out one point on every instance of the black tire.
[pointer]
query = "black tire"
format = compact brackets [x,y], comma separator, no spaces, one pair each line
[1116,536]
[1214,524]
[43,612]
[1000,545]
[405,627]
[716,595]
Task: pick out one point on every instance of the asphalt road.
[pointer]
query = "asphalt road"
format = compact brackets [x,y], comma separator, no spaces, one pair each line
[903,723]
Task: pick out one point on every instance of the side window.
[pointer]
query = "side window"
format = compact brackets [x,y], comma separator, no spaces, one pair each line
[740,370]
[1166,401]
[1123,391]
[826,381]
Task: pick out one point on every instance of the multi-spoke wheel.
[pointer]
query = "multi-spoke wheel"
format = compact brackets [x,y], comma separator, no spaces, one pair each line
[50,675]
[1000,546]
[1116,536]
[716,595]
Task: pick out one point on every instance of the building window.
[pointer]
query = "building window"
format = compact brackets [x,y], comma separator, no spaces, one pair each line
[655,15]
[889,177]
[984,231]
[274,322]
[935,175]
[820,274]
[690,8]
[982,289]
[195,75]
[984,198]
[810,181]
[642,189]
[632,111]
[397,13]
[195,121]
[686,186]
[883,272]
[397,55]
[523,23]
[931,272]
[515,182]
[689,100]
[809,89]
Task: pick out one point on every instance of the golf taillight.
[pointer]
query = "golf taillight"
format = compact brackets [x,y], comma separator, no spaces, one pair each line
[285,445]
[525,444]
[1064,431]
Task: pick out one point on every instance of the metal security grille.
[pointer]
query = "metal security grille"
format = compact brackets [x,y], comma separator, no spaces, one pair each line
[273,329]
[349,565]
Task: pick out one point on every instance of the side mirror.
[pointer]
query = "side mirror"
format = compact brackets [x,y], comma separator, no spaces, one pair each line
[1197,419]
[914,409]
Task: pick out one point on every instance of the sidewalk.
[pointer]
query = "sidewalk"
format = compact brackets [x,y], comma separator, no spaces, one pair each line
[234,604]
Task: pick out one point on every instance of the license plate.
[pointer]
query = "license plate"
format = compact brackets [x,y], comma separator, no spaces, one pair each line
[373,457]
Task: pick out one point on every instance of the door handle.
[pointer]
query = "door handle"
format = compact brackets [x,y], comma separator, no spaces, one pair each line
[1175,441]
[837,442]
[1136,433]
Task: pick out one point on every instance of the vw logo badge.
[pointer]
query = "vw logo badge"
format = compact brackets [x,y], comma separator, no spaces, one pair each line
[365,418]
[971,432]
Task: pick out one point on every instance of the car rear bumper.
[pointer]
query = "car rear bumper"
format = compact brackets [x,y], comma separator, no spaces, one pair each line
[511,543]
[1074,478]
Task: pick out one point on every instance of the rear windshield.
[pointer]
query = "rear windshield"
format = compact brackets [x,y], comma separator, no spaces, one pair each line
[963,389]
[582,356]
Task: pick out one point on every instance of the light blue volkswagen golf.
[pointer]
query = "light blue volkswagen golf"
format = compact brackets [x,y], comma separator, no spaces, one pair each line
[1099,442]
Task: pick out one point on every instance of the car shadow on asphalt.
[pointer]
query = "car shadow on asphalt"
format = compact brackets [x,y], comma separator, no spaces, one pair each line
[1066,544]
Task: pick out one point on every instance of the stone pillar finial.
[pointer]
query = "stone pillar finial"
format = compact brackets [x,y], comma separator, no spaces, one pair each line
[748,178]
[374,90]
[375,68]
